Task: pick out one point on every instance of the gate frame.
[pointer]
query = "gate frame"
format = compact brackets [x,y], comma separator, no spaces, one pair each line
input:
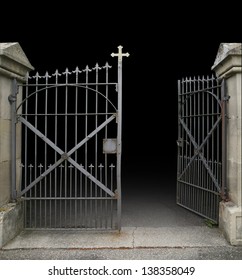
[221,188]
[14,108]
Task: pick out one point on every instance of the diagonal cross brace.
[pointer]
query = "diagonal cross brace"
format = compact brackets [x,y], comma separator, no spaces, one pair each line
[198,148]
[66,156]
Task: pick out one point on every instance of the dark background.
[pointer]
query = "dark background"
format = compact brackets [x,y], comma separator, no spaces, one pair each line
[166,42]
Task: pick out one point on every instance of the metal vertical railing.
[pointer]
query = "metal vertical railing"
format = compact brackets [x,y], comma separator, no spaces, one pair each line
[201,145]
[68,180]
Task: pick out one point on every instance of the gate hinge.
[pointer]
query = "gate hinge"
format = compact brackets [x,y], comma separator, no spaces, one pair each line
[116,194]
[12,98]
[226,98]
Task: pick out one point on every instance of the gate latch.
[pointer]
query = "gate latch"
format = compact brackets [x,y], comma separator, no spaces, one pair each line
[179,142]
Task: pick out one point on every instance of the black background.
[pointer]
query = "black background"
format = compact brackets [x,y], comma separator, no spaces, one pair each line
[166,41]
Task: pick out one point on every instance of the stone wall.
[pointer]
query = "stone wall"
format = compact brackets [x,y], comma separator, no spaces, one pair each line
[228,66]
[13,65]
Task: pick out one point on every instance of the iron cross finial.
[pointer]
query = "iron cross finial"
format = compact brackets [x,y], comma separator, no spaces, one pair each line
[120,54]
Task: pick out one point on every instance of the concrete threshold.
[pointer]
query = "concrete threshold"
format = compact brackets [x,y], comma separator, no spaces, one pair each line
[129,238]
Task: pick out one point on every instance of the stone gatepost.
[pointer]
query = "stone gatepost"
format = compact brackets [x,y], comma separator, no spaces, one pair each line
[13,65]
[228,66]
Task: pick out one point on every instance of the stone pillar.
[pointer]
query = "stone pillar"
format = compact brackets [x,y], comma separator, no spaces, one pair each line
[228,66]
[13,65]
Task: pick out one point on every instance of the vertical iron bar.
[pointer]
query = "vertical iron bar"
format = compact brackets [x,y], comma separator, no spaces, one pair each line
[50,204]
[202,137]
[81,194]
[198,128]
[13,99]
[61,194]
[96,141]
[40,186]
[179,142]
[105,157]
[45,150]
[100,202]
[213,121]
[91,166]
[86,132]
[218,111]
[25,148]
[111,187]
[35,144]
[30,208]
[208,127]
[71,182]
[186,143]
[56,74]
[182,137]
[76,125]
[119,143]
[66,146]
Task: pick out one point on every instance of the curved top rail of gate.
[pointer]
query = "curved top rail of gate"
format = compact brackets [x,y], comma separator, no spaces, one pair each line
[71,79]
[205,90]
[66,85]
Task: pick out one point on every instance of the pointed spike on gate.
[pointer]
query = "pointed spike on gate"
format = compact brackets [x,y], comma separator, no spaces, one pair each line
[77,70]
[100,165]
[37,76]
[40,165]
[49,165]
[106,66]
[47,75]
[27,77]
[87,69]
[56,73]
[91,166]
[31,165]
[112,165]
[70,166]
[96,67]
[21,165]
[81,165]
[66,72]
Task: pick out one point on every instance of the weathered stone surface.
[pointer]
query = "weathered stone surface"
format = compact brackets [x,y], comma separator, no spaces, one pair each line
[13,59]
[228,66]
[5,132]
[11,221]
[13,64]
[5,91]
[228,59]
[5,184]
[230,221]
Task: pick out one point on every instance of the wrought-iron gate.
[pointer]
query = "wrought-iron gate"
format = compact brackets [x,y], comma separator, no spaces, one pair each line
[201,145]
[71,148]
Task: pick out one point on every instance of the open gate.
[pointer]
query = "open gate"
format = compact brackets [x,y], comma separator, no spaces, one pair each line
[71,148]
[201,163]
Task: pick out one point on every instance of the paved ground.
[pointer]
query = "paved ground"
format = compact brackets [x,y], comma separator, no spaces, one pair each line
[154,227]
